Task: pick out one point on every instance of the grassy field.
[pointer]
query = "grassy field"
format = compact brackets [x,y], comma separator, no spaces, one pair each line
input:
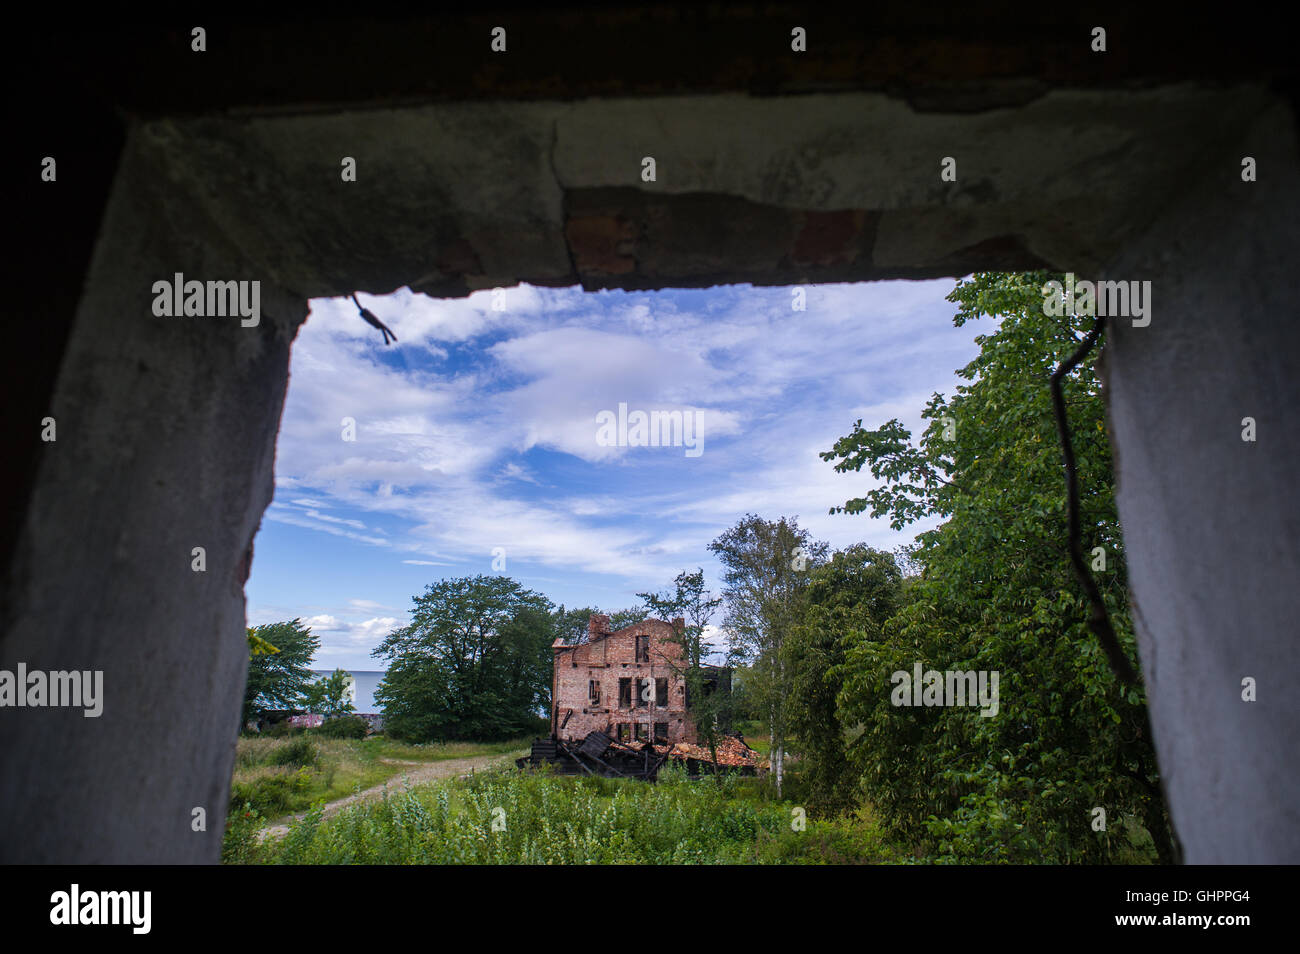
[277,776]
[505,816]
[511,817]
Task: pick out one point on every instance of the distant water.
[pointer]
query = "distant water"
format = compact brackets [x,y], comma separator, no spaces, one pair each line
[367,682]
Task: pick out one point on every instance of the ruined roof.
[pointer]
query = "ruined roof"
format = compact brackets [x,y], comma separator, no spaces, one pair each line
[731,751]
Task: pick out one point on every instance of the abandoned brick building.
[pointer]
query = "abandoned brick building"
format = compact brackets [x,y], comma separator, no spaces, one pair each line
[628,683]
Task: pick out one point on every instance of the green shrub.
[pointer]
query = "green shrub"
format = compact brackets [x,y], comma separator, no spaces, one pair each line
[282,730]
[301,752]
[344,727]
[240,841]
[997,595]
[273,794]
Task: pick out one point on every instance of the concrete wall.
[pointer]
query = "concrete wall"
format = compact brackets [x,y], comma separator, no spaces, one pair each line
[1211,522]
[165,442]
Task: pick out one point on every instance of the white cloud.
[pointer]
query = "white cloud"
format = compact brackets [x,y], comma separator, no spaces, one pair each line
[367,605]
[446,437]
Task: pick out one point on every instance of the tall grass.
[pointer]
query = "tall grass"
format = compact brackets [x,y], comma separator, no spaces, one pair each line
[508,817]
[279,775]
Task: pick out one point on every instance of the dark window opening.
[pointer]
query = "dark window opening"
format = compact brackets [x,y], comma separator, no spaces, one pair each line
[625,693]
[661,731]
[713,679]
[642,732]
[642,693]
[661,692]
[643,649]
[623,732]
[593,692]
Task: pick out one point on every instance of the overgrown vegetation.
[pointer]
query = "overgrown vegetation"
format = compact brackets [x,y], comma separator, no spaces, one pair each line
[515,818]
[276,777]
[765,564]
[994,592]
[344,727]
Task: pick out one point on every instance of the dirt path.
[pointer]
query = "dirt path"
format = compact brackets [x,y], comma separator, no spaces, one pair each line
[414,772]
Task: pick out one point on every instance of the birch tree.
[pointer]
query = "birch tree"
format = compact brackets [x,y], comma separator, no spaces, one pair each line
[690,601]
[765,572]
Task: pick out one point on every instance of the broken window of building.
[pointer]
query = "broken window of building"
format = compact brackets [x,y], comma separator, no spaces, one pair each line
[709,684]
[643,649]
[642,693]
[661,692]
[661,731]
[642,732]
[624,732]
[625,693]
[593,692]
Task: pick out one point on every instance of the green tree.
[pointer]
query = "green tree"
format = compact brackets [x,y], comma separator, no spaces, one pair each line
[572,623]
[996,593]
[328,696]
[847,601]
[257,645]
[620,618]
[689,600]
[277,679]
[474,663]
[765,571]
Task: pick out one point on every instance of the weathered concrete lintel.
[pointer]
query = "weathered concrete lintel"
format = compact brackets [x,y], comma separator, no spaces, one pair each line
[456,197]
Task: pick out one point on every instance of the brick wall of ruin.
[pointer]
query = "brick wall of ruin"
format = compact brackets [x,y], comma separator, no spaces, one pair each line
[608,657]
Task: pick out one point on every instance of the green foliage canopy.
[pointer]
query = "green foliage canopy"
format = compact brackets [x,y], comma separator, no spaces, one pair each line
[996,593]
[847,601]
[278,679]
[474,663]
[328,696]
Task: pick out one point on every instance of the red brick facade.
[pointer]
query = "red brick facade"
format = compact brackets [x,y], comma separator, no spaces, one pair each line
[629,684]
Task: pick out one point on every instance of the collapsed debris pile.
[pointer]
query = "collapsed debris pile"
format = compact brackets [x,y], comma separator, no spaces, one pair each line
[732,753]
[598,754]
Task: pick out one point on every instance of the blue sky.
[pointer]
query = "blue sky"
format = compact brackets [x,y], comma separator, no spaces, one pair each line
[478,430]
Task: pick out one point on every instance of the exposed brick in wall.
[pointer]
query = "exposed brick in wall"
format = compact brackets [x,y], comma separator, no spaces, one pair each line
[605,659]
